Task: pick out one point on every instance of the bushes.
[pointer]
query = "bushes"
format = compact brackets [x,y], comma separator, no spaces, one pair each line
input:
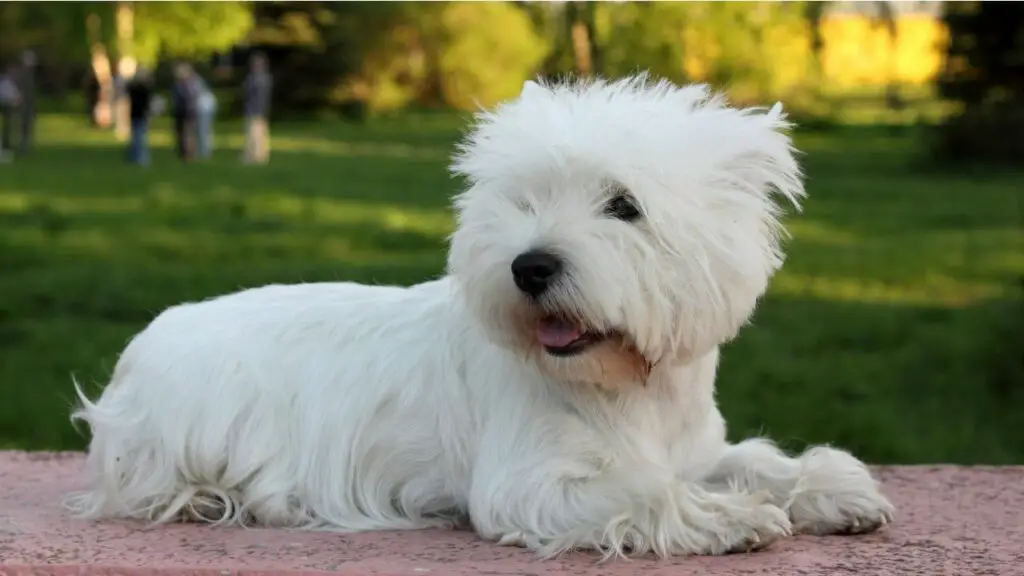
[368,58]
[991,133]
[984,75]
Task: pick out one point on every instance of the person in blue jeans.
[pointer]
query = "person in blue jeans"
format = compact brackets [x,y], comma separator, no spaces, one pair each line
[206,109]
[257,91]
[140,96]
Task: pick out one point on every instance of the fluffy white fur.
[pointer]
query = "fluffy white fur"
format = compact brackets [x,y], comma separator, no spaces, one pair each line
[347,407]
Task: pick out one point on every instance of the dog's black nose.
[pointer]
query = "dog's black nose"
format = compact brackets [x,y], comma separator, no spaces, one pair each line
[534,271]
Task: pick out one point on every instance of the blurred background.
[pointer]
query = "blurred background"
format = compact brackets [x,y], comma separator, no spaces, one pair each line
[151,159]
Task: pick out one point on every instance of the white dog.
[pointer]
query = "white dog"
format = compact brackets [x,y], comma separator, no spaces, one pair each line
[555,389]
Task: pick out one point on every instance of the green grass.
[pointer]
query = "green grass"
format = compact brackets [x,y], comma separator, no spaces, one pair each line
[891,331]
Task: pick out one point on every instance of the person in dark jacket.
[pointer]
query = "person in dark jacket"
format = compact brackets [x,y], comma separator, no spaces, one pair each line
[183,109]
[140,101]
[92,97]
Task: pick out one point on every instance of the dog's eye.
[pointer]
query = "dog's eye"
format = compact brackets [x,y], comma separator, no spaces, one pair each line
[524,206]
[622,206]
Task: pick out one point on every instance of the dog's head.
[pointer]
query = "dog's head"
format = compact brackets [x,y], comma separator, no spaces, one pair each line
[612,226]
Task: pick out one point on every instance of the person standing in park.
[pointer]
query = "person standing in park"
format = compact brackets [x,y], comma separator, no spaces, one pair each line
[256,91]
[206,109]
[26,82]
[183,109]
[140,101]
[91,87]
[10,99]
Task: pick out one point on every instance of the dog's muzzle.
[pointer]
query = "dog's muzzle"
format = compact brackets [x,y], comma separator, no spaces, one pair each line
[534,273]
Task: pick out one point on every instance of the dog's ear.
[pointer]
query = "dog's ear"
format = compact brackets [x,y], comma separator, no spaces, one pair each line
[766,161]
[530,88]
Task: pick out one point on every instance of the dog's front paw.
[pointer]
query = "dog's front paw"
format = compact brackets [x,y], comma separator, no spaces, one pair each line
[837,495]
[703,524]
[744,523]
[850,513]
[867,518]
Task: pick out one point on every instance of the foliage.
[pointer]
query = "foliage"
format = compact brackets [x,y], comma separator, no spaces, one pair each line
[188,29]
[984,73]
[307,60]
[456,53]
[743,47]
[756,51]
[394,43]
[58,30]
[642,35]
[389,55]
[859,51]
[371,57]
[877,335]
[486,50]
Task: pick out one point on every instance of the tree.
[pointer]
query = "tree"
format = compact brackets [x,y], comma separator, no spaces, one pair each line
[347,55]
[984,75]
[752,50]
[813,12]
[886,17]
[59,34]
[371,57]
[645,36]
[189,30]
[484,53]
[74,37]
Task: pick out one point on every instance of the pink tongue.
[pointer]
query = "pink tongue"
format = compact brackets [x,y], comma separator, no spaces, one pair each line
[557,333]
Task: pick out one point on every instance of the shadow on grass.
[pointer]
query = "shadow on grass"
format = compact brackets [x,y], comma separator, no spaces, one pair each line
[892,383]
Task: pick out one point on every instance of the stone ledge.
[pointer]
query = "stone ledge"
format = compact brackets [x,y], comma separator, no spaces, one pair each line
[950,520]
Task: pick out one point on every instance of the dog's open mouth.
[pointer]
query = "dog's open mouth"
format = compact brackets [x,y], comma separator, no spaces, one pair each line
[562,337]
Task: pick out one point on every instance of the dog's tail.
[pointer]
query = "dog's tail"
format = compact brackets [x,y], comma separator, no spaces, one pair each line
[130,476]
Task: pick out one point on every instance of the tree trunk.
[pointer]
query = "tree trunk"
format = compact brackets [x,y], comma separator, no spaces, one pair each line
[893,99]
[813,12]
[580,17]
[102,73]
[124,17]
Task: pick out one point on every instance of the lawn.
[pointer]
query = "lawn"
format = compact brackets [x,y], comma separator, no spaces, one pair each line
[891,330]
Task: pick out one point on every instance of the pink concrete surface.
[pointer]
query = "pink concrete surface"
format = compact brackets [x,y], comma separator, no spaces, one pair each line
[950,521]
